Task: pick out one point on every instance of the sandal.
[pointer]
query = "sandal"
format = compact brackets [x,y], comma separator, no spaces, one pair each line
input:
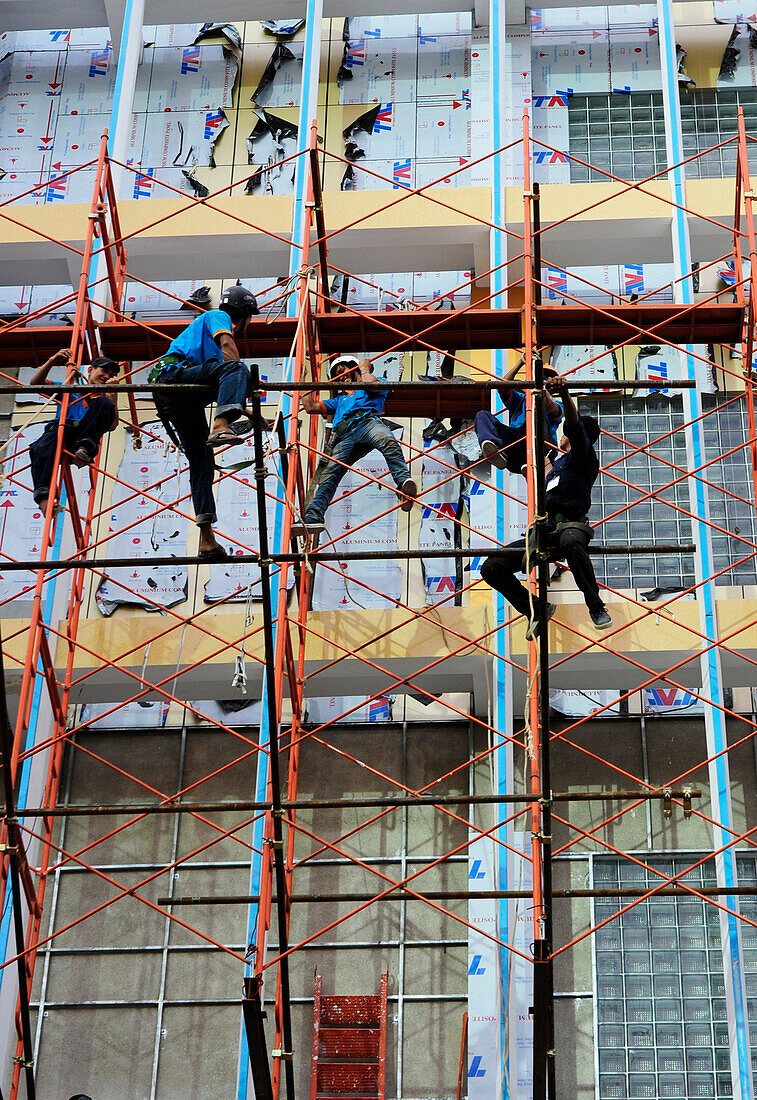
[225,438]
[217,553]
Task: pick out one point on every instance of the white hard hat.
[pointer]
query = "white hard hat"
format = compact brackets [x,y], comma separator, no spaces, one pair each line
[341,364]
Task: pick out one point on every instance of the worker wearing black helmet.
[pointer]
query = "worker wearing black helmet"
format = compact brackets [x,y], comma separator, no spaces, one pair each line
[206,353]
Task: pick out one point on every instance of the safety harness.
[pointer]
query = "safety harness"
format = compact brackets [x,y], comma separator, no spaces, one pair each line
[555,528]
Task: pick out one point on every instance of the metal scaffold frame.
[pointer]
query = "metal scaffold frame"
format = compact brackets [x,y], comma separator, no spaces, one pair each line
[319,325]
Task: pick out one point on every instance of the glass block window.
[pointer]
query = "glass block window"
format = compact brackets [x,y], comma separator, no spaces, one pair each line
[622,134]
[660,995]
[637,421]
[625,134]
[723,430]
[708,117]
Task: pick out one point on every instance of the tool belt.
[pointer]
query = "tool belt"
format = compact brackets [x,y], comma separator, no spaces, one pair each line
[555,528]
[171,359]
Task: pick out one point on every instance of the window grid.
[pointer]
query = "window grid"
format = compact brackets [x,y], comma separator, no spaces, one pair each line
[725,429]
[625,134]
[637,421]
[661,1020]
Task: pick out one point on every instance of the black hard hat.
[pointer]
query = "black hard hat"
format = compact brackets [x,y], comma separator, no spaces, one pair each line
[238,301]
[106,363]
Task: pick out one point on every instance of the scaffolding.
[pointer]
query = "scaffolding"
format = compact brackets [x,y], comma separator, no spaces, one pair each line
[317,326]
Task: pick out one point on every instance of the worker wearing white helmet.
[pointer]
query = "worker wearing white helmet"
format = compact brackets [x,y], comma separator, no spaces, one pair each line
[358,429]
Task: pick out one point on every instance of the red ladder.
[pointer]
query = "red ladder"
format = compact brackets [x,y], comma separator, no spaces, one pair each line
[349,1046]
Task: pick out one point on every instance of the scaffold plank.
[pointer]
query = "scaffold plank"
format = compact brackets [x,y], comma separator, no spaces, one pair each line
[414,330]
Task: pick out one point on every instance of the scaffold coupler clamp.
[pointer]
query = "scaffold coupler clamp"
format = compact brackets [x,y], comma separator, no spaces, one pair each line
[687,809]
[284,1055]
[667,803]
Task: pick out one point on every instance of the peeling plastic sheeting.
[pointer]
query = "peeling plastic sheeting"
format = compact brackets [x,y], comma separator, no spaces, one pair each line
[568,360]
[280,83]
[189,34]
[738,68]
[139,526]
[658,364]
[282,28]
[684,80]
[272,141]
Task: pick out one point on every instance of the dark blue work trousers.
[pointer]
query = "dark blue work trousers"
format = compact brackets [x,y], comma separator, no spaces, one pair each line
[87,432]
[229,379]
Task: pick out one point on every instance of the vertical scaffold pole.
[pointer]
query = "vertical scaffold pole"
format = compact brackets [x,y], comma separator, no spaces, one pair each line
[272,698]
[537,735]
[710,664]
[275,601]
[483,1042]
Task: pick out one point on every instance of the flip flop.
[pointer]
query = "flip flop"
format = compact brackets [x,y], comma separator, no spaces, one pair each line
[225,438]
[218,553]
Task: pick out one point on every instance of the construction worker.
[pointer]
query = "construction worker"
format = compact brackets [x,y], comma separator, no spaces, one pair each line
[568,499]
[206,353]
[357,429]
[88,418]
[505,444]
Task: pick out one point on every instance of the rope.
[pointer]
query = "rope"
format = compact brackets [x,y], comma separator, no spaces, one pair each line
[532,606]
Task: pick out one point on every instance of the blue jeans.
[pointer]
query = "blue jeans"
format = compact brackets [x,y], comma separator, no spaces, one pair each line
[186,413]
[363,435]
[513,440]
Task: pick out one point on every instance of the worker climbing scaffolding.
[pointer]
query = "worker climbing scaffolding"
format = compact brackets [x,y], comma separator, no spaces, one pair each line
[357,429]
[206,353]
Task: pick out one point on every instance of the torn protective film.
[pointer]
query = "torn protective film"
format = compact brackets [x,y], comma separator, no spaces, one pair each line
[280,83]
[272,141]
[282,28]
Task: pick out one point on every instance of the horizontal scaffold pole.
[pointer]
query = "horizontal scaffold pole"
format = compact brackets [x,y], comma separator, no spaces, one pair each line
[353,803]
[600,550]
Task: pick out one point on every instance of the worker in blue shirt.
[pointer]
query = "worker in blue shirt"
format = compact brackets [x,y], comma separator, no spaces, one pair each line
[505,444]
[357,429]
[88,418]
[206,353]
[568,532]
